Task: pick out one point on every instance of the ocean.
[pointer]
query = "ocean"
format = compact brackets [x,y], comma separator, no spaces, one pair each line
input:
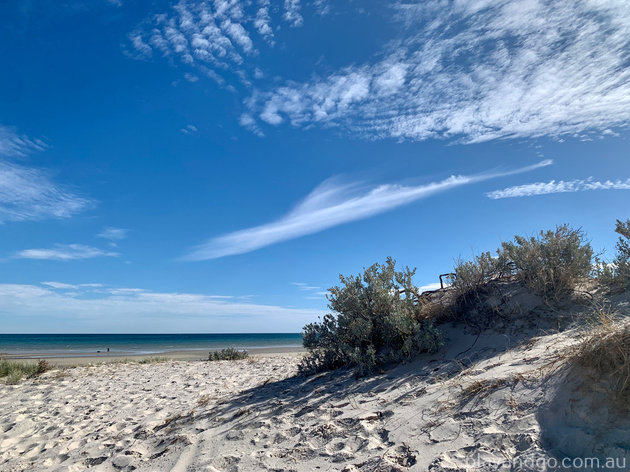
[69,345]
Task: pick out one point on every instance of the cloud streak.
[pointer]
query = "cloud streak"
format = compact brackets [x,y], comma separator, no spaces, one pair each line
[474,71]
[64,252]
[113,233]
[15,145]
[545,188]
[332,204]
[133,310]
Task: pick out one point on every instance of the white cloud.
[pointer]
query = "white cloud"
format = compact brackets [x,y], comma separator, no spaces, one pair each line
[64,252]
[63,286]
[429,287]
[475,71]
[262,22]
[292,13]
[138,310]
[544,188]
[332,204]
[113,233]
[189,129]
[212,36]
[305,287]
[30,194]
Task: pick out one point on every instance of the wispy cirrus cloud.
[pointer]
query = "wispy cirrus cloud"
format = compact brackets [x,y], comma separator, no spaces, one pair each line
[64,252]
[332,204]
[27,193]
[561,186]
[13,144]
[64,286]
[474,71]
[133,310]
[110,232]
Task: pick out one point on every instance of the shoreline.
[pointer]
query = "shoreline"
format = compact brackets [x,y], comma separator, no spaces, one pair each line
[66,359]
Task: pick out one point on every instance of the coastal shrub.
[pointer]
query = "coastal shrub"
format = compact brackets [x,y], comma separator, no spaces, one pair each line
[15,371]
[553,262]
[471,278]
[376,319]
[616,275]
[622,259]
[228,354]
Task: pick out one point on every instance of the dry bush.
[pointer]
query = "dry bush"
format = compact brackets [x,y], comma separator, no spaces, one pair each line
[552,263]
[472,285]
[605,351]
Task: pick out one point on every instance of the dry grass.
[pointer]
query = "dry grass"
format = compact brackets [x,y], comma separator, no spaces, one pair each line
[482,388]
[16,371]
[605,351]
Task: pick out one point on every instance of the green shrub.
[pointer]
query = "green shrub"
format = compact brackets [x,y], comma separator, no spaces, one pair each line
[377,319]
[552,263]
[228,354]
[616,274]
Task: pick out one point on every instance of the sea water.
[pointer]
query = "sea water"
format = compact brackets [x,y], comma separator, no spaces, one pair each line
[68,345]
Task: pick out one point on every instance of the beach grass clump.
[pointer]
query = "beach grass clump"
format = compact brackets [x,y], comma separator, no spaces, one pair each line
[552,263]
[16,371]
[376,319]
[605,352]
[228,354]
[155,360]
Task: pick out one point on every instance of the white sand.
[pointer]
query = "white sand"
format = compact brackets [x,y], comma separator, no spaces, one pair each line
[507,398]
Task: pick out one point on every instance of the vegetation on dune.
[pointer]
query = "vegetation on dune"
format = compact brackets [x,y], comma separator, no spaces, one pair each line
[379,317]
[376,320]
[228,354]
[16,371]
[616,274]
[605,352]
[553,263]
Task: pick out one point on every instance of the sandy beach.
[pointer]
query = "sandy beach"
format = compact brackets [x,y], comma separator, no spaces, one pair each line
[498,401]
[61,360]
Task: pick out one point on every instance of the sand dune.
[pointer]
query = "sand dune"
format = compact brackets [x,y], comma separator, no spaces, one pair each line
[498,401]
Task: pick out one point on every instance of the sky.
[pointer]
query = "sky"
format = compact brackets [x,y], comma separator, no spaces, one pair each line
[213,166]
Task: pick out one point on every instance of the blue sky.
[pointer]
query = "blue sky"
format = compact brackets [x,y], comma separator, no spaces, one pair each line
[213,166]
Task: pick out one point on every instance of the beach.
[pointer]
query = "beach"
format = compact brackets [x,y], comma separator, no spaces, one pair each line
[495,398]
[61,359]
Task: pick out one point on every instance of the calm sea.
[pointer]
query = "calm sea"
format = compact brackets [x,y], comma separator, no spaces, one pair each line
[51,345]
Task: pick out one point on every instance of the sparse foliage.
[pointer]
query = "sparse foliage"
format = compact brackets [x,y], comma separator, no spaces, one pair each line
[377,319]
[552,263]
[228,354]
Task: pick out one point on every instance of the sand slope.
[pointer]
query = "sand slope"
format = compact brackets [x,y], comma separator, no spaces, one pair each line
[488,402]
